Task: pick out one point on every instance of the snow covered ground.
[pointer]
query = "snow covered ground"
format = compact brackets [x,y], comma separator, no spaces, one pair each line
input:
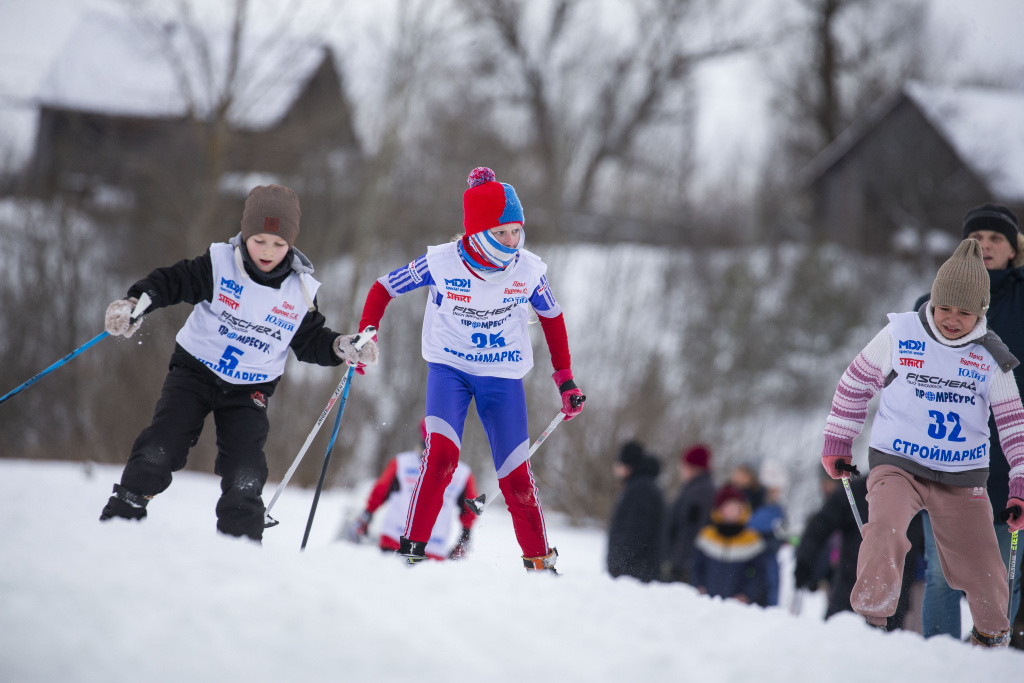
[171,600]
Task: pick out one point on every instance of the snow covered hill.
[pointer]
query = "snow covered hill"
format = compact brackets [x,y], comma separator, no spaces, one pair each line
[171,600]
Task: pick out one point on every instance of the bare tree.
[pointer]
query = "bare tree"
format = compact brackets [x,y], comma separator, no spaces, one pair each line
[604,109]
[848,54]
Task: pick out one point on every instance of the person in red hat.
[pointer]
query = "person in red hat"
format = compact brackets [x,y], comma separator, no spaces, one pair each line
[690,512]
[394,487]
[481,289]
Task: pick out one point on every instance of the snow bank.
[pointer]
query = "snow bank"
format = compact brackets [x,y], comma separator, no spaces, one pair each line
[171,600]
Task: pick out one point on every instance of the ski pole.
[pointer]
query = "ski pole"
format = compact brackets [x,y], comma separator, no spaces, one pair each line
[1010,572]
[852,469]
[269,521]
[140,307]
[480,503]
[359,342]
[1011,568]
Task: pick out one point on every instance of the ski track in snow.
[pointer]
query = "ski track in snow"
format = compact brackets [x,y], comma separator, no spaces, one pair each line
[171,600]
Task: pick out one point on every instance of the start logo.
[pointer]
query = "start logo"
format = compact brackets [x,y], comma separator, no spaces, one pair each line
[228,301]
[912,362]
[259,398]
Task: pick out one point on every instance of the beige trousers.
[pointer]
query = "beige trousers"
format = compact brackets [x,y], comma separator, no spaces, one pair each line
[961,519]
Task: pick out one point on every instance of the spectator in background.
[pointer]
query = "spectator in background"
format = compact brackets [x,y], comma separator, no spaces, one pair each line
[835,515]
[635,531]
[1002,247]
[395,486]
[769,520]
[690,512]
[728,557]
[744,479]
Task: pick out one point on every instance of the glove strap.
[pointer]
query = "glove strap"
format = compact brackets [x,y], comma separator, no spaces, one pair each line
[567,385]
[130,497]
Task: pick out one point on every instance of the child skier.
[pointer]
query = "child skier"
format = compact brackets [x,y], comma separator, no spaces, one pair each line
[939,370]
[395,486]
[476,344]
[254,298]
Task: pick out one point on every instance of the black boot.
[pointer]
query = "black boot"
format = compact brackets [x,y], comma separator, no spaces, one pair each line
[125,504]
[412,551]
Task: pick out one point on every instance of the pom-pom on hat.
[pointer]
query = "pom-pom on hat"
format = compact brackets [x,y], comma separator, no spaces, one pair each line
[488,203]
[697,455]
[273,209]
[962,281]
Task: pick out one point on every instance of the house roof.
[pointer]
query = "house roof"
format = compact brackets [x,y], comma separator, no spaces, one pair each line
[113,65]
[984,126]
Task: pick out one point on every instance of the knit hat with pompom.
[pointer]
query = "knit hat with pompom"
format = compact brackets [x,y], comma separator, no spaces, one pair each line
[962,281]
[488,204]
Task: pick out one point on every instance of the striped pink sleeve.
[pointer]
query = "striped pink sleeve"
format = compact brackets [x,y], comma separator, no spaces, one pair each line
[863,379]
[1009,414]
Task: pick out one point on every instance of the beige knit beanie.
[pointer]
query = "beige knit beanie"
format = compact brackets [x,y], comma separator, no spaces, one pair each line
[962,281]
[272,209]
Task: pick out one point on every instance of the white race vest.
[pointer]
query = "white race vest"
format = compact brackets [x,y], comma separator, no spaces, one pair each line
[243,335]
[935,412]
[407,471]
[476,326]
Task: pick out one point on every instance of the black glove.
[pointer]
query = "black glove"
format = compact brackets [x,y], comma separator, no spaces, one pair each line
[461,548]
[803,574]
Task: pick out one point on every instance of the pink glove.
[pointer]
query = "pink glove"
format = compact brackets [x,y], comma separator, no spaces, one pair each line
[829,463]
[572,397]
[1015,521]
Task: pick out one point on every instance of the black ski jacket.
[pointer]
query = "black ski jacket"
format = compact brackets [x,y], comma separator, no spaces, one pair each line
[636,529]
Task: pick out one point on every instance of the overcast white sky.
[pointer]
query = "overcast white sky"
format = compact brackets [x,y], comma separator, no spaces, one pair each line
[976,38]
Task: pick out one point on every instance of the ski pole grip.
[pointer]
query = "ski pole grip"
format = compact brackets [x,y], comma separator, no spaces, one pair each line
[851,468]
[140,308]
[365,336]
[1005,515]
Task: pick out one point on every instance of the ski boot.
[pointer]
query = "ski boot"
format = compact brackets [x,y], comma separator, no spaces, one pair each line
[414,552]
[985,640]
[125,504]
[542,563]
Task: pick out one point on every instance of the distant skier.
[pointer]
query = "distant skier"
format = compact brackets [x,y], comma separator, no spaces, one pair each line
[939,371]
[254,298]
[395,486]
[477,346]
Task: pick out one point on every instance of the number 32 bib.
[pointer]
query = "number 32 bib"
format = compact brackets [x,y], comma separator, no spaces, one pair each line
[935,411]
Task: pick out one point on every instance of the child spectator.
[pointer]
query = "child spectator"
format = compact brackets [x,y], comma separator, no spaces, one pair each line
[728,557]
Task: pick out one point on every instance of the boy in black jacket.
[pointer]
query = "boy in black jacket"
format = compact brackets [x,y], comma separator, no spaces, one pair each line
[254,299]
